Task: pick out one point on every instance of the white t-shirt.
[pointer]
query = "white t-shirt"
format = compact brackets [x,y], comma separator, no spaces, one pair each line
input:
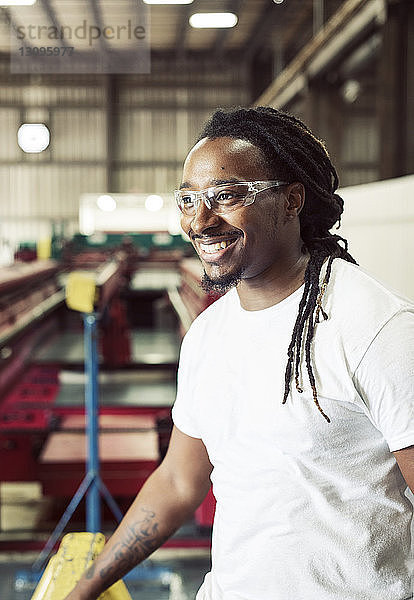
[306,510]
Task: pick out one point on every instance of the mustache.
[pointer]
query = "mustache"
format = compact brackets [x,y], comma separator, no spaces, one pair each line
[234,233]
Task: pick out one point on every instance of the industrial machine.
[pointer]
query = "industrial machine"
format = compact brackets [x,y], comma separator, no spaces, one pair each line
[42,379]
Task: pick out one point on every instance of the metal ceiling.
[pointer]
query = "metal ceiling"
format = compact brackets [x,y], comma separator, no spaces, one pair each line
[262,24]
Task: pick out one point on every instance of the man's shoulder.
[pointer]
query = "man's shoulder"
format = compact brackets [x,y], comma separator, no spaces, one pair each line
[358,308]
[355,288]
[359,305]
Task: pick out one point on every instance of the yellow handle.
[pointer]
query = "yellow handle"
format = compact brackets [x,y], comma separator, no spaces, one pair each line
[81,291]
[76,553]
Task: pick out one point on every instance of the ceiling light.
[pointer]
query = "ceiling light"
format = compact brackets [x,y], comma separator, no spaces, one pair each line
[278,1]
[106,203]
[17,2]
[33,137]
[167,1]
[213,20]
[351,90]
[153,203]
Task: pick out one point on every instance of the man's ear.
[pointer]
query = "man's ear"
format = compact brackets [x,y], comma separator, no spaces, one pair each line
[295,199]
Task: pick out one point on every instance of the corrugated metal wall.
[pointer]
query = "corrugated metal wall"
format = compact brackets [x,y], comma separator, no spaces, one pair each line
[159,119]
[40,189]
[154,120]
[360,149]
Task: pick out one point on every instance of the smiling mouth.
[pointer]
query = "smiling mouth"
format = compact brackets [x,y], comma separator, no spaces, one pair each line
[214,247]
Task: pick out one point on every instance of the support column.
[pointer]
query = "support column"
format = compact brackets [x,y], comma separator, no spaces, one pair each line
[409,160]
[93,500]
[395,91]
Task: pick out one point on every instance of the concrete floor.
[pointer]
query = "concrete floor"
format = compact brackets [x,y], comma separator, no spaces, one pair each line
[147,347]
[168,575]
[157,393]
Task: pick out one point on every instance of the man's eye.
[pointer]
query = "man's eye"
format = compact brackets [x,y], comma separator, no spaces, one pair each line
[187,200]
[226,196]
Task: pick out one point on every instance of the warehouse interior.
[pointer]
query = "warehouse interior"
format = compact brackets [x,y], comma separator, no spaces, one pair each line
[121,111]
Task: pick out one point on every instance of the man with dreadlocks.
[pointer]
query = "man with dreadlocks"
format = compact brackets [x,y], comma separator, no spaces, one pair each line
[295,388]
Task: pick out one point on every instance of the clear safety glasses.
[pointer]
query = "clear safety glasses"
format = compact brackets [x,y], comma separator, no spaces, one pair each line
[224,198]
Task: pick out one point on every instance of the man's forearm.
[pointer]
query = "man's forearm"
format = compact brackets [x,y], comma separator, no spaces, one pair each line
[154,515]
[134,540]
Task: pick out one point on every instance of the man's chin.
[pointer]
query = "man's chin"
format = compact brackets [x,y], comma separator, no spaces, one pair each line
[221,284]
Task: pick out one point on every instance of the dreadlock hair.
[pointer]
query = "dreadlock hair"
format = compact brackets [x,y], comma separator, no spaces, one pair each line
[292,153]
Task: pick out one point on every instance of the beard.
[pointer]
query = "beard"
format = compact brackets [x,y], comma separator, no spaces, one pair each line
[221,284]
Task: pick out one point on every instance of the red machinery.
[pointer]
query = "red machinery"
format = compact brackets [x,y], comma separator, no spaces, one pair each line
[31,312]
[42,440]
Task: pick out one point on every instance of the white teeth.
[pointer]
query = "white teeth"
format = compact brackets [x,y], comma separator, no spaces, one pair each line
[212,248]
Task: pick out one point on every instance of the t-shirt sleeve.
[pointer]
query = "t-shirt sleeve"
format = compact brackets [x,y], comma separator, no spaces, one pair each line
[184,409]
[385,380]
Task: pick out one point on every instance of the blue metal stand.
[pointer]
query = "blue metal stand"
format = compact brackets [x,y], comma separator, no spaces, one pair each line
[93,505]
[92,484]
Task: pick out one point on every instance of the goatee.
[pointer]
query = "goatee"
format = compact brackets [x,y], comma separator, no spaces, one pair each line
[221,284]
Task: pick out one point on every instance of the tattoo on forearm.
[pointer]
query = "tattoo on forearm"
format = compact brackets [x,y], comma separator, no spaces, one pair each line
[141,539]
[91,571]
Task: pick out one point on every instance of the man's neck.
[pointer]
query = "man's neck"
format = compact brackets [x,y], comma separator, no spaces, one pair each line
[273,285]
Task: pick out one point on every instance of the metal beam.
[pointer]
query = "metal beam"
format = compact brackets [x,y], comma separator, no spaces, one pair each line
[318,15]
[294,39]
[351,20]
[234,6]
[51,15]
[182,30]
[97,17]
[11,21]
[163,60]
[262,29]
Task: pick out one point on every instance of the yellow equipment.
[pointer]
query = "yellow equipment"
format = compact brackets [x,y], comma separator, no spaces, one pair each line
[87,291]
[81,291]
[76,553]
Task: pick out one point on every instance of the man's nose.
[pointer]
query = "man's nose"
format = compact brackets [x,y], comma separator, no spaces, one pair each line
[204,218]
